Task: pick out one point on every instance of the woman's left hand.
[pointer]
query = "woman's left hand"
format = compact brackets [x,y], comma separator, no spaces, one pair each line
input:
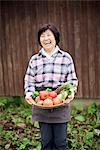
[70,98]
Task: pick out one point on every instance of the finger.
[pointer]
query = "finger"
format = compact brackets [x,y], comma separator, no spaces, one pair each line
[70,97]
[28,102]
[68,101]
[31,101]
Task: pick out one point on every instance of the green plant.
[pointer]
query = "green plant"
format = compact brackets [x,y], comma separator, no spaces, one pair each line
[17,132]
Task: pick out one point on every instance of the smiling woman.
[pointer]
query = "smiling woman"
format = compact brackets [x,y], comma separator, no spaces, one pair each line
[48,41]
[56,68]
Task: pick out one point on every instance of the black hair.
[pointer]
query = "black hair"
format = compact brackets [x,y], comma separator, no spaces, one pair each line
[53,29]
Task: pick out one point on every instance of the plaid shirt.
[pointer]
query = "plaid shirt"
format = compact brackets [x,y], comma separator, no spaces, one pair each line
[49,72]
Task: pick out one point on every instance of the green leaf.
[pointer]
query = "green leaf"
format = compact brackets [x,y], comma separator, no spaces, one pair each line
[22,146]
[35,94]
[89,135]
[48,90]
[8,135]
[79,107]
[88,138]
[26,141]
[60,96]
[92,109]
[80,118]
[1,128]
[36,124]
[64,94]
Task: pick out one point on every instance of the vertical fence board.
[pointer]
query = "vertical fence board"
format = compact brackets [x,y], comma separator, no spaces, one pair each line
[84,49]
[64,31]
[91,49]
[70,21]
[17,51]
[97,51]
[1,64]
[77,45]
[5,50]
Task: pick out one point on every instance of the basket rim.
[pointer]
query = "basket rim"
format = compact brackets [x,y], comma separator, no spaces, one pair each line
[51,107]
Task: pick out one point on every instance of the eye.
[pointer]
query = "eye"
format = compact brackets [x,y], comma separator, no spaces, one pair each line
[42,36]
[48,34]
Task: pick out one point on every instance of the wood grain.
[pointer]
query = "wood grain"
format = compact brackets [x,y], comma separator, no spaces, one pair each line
[79,26]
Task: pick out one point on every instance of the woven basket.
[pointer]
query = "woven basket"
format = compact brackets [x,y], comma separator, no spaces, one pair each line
[54,106]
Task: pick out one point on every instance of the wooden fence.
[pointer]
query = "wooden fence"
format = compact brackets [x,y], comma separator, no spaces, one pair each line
[79,25]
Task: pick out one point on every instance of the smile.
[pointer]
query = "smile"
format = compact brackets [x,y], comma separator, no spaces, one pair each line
[47,43]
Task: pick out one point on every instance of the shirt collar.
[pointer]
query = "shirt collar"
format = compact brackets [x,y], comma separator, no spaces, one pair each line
[44,53]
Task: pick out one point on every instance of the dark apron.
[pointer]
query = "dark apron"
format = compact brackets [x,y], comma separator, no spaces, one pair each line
[55,115]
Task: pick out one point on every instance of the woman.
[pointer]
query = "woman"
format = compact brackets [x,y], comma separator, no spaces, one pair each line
[51,67]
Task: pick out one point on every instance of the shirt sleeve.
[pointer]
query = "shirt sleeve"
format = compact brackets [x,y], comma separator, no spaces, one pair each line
[71,76]
[29,85]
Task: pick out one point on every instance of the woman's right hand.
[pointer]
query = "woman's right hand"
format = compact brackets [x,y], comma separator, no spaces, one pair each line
[29,100]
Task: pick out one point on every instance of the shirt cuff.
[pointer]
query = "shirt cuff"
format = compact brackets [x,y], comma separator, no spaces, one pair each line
[28,94]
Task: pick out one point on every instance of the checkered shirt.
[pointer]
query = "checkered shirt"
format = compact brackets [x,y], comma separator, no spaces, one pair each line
[49,72]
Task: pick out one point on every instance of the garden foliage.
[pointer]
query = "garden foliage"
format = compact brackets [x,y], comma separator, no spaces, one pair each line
[17,132]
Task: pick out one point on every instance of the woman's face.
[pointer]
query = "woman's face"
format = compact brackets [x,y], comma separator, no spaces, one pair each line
[48,41]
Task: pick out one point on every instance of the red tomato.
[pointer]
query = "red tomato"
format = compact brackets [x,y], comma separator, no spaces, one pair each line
[53,94]
[43,95]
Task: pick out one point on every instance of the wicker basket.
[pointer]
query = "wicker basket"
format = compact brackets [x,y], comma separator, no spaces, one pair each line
[54,106]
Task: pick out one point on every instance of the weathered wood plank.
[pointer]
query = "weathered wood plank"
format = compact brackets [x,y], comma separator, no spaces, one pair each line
[84,49]
[5,30]
[78,60]
[15,49]
[1,64]
[10,50]
[64,26]
[91,49]
[97,52]
[70,22]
